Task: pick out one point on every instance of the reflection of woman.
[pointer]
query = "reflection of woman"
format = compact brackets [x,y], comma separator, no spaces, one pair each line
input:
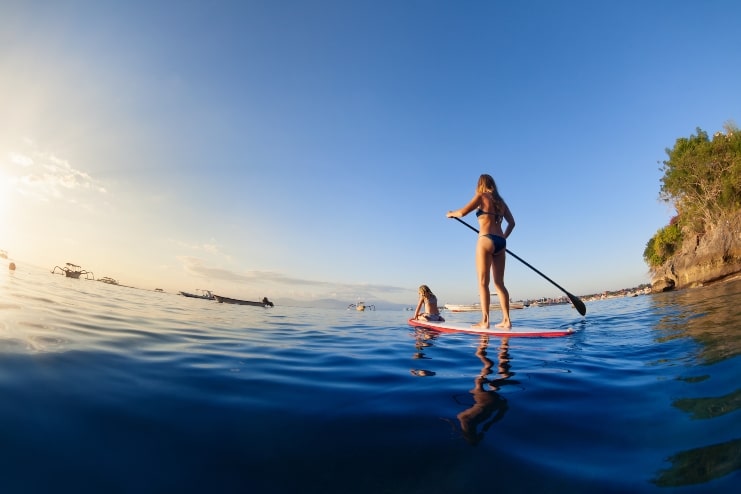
[423,340]
[486,402]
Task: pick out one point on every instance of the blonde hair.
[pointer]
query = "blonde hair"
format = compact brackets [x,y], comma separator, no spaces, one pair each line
[486,184]
[425,291]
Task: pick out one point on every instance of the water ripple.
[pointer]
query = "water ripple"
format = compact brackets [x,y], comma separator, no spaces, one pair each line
[153,389]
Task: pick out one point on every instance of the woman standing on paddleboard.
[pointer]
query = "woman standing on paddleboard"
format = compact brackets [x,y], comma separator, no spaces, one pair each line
[491,246]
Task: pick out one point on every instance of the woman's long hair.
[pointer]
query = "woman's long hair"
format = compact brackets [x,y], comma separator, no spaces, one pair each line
[425,291]
[487,184]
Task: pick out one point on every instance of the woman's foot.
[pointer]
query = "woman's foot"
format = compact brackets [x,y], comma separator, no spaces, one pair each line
[481,325]
[504,325]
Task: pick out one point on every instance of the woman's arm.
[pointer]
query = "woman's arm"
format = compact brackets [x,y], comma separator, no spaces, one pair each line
[510,221]
[419,306]
[459,213]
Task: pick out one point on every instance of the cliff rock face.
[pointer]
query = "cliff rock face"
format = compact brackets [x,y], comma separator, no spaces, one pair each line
[703,259]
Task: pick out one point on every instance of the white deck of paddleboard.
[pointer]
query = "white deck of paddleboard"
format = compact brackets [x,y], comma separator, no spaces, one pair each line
[465,327]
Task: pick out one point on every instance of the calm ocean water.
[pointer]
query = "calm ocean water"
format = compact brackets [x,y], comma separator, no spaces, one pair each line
[113,389]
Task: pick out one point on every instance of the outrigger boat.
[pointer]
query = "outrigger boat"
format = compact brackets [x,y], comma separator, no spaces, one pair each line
[226,300]
[361,306]
[74,271]
[205,294]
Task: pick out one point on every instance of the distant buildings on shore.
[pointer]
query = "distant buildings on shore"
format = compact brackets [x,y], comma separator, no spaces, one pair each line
[643,289]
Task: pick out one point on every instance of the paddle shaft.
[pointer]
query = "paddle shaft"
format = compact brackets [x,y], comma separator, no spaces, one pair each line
[578,304]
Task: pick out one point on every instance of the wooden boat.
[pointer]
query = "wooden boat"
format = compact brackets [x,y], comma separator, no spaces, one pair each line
[226,300]
[74,271]
[477,307]
[205,294]
[110,281]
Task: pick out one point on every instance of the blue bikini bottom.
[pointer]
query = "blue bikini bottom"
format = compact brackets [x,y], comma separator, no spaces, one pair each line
[500,243]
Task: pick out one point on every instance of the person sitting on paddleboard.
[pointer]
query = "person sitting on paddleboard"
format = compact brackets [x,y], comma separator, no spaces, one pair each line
[426,297]
[491,246]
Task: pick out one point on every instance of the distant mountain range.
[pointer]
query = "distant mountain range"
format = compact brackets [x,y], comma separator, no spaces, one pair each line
[329,303]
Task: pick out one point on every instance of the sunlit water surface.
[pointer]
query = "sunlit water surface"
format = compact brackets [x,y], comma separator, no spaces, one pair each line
[112,389]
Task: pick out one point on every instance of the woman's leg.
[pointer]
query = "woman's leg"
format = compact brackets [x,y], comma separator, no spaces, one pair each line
[483,264]
[497,271]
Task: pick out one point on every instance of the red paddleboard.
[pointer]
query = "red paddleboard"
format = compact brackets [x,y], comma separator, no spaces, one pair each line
[515,331]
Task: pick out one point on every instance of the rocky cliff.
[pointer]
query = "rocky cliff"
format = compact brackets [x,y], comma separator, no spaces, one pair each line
[703,259]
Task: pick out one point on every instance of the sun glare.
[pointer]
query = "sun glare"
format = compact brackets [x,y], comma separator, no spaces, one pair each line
[8,194]
[4,194]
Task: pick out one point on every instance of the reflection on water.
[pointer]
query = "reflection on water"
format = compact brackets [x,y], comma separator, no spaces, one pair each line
[488,405]
[711,316]
[700,465]
[423,339]
[708,408]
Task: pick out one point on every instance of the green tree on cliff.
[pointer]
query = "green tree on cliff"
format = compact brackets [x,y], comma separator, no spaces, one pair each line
[702,179]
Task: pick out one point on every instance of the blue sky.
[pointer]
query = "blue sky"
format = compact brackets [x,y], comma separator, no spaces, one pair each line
[310,149]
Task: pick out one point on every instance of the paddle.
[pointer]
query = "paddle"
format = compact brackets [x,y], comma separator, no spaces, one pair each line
[578,304]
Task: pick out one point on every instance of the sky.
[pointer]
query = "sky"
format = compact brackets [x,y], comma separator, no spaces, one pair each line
[303,150]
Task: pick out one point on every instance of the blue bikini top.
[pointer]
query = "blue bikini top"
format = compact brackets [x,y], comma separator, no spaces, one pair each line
[497,217]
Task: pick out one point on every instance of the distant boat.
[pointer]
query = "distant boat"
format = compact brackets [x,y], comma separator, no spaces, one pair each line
[477,307]
[110,281]
[226,300]
[73,271]
[205,294]
[361,306]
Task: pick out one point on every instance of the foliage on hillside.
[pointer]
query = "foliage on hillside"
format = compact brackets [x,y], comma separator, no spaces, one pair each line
[664,244]
[702,179]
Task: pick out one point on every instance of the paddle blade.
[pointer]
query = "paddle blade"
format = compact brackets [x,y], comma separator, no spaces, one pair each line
[578,304]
